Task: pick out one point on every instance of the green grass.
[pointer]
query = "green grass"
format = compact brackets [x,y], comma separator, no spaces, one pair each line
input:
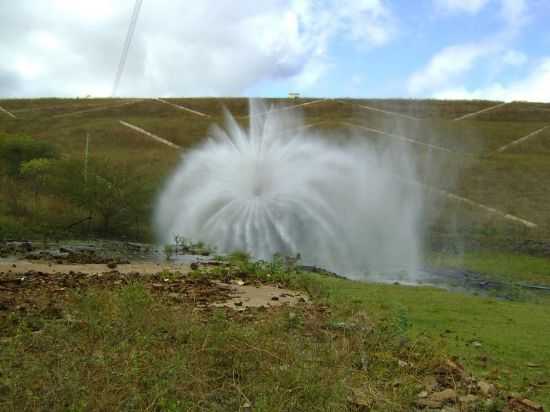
[513,335]
[129,349]
[499,266]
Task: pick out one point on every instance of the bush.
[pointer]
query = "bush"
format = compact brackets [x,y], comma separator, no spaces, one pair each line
[111,191]
[15,150]
[37,172]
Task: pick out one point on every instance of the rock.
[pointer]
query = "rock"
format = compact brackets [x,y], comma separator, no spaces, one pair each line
[360,398]
[486,388]
[175,296]
[194,266]
[428,403]
[423,394]
[468,399]
[112,265]
[430,383]
[446,395]
[402,364]
[134,246]
[449,373]
[524,405]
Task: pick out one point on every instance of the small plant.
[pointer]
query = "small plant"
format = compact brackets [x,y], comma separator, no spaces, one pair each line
[168,275]
[169,251]
[188,247]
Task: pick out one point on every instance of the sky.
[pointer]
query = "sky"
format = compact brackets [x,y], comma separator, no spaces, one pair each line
[452,49]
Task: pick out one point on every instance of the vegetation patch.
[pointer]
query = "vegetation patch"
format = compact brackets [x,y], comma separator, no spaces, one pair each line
[120,341]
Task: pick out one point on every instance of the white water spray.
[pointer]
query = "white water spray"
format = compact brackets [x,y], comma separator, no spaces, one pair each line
[281,188]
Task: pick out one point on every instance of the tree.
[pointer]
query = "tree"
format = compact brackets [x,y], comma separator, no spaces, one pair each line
[15,150]
[36,171]
[114,192]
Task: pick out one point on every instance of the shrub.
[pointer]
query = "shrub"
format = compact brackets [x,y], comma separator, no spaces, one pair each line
[111,191]
[15,150]
[37,172]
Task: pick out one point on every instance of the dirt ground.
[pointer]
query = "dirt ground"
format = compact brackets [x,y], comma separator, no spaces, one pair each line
[17,266]
[43,286]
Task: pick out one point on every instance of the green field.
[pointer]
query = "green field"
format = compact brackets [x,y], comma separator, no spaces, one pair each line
[292,359]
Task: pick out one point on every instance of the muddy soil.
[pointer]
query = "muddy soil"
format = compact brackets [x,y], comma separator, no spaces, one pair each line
[97,251]
[39,280]
[83,260]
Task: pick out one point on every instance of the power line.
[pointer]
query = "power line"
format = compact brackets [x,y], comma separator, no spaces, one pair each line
[127,43]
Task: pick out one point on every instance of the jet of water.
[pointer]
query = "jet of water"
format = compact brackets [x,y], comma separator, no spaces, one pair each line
[279,187]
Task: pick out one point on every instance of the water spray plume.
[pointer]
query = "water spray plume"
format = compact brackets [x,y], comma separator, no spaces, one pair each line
[281,188]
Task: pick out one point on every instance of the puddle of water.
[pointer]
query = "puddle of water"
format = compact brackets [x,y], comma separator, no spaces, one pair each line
[450,279]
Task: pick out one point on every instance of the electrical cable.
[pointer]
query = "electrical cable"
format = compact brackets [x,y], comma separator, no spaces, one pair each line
[127,44]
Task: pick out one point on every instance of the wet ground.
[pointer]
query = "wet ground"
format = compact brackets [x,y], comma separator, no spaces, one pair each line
[114,262]
[40,278]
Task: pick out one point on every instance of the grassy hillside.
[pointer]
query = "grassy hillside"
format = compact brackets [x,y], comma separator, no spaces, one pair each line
[461,155]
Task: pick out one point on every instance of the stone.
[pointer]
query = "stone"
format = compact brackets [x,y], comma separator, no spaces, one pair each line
[446,395]
[428,403]
[486,388]
[430,383]
[468,399]
[524,405]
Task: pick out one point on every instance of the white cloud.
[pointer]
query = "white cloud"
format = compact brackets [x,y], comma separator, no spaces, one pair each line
[446,65]
[514,13]
[454,6]
[216,47]
[369,21]
[452,63]
[534,87]
[514,58]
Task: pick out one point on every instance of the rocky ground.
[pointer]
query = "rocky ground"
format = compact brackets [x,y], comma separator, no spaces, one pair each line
[38,279]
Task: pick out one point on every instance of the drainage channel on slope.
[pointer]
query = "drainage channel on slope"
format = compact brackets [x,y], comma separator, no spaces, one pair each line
[520,140]
[487,109]
[180,107]
[7,112]
[151,135]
